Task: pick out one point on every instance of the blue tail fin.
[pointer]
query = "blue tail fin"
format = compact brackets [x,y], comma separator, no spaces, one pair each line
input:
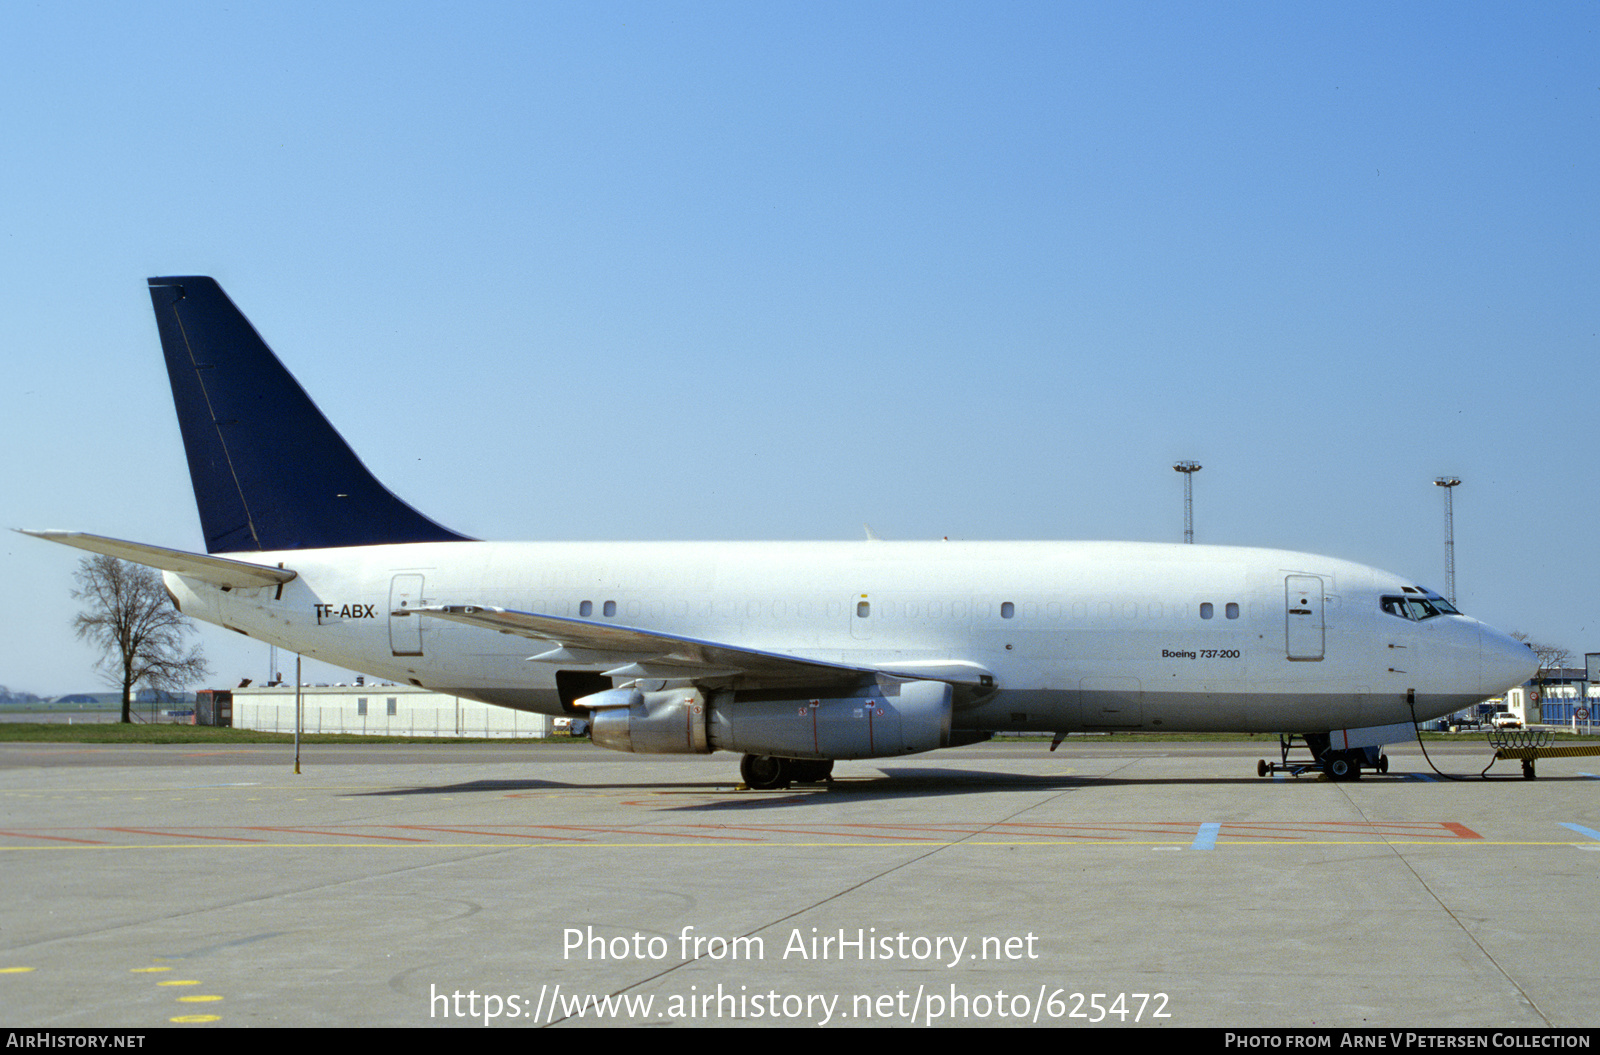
[269,471]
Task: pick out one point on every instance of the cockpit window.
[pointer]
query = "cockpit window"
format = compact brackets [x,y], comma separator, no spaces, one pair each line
[1418,605]
[1444,606]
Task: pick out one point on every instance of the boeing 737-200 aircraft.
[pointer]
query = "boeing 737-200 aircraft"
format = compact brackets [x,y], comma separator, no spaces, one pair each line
[793,653]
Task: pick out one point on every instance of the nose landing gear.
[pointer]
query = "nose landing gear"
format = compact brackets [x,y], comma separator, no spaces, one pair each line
[1316,755]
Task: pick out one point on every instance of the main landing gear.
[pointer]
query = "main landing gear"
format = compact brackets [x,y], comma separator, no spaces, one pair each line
[769,772]
[1319,756]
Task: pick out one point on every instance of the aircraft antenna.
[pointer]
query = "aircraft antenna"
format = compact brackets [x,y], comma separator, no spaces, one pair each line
[1188,469]
[1449,482]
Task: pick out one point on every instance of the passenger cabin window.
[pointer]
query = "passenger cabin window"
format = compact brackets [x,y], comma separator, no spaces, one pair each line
[863,609]
[1232,610]
[1007,610]
[586,608]
[1206,610]
[610,609]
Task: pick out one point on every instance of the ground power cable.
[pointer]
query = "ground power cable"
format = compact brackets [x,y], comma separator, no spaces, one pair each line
[1416,727]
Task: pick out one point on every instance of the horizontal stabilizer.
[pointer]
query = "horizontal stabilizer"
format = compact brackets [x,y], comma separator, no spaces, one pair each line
[218,571]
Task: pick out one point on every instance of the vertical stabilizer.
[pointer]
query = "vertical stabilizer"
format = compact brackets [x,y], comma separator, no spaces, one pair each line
[269,471]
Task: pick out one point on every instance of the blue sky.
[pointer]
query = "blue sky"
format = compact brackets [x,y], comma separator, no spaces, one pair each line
[774,270]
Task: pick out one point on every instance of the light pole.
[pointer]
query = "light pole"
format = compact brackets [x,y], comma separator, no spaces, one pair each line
[1188,469]
[1449,482]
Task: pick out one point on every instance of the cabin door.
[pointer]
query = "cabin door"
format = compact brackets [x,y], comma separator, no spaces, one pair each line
[1306,633]
[405,631]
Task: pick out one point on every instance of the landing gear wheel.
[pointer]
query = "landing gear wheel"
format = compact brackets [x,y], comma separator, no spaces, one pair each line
[1527,769]
[810,770]
[1261,767]
[1383,763]
[765,772]
[1339,767]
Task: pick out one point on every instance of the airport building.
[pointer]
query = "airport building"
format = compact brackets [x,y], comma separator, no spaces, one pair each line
[382,710]
[1562,697]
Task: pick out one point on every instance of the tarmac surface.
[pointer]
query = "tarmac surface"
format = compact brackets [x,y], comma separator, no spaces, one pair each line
[1115,882]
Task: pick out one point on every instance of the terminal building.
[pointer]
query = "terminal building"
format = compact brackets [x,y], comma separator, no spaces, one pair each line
[380,710]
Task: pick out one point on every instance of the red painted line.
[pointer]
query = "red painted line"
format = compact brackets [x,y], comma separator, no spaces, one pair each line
[183,835]
[340,834]
[818,831]
[57,838]
[1394,829]
[646,830]
[479,831]
[1064,831]
[976,828]
[1131,828]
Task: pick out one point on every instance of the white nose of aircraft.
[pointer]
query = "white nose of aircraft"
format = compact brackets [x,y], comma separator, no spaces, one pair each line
[1505,660]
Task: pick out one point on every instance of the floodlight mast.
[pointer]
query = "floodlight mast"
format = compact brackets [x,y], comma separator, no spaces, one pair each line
[1449,482]
[1188,469]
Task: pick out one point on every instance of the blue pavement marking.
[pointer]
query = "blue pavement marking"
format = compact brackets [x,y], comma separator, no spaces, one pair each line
[1581,830]
[1206,837]
[1591,776]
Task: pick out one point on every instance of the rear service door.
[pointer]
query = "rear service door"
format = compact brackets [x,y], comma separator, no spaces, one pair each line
[405,631]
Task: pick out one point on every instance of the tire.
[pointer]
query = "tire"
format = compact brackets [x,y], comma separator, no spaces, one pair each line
[765,772]
[811,770]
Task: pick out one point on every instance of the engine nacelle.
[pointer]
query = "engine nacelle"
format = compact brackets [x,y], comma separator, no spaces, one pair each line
[877,721]
[668,722]
[898,718]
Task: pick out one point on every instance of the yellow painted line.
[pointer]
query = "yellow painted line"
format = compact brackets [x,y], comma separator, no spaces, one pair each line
[179,981]
[196,1018]
[15,970]
[511,844]
[197,999]
[149,970]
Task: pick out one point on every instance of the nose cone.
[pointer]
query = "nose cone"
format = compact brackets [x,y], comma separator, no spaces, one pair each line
[1506,661]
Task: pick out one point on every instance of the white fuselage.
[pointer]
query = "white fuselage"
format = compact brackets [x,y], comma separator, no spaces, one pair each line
[1079,636]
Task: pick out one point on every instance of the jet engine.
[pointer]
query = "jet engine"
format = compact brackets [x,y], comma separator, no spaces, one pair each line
[878,720]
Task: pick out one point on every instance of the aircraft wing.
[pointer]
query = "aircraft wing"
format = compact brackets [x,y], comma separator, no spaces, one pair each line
[218,571]
[651,654]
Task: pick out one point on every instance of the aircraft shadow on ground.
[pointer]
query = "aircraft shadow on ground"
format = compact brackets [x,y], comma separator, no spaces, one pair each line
[901,784]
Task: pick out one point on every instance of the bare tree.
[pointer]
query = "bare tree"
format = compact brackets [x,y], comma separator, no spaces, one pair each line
[131,618]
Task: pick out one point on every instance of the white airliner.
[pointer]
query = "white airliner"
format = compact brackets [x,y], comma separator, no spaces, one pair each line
[794,654]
